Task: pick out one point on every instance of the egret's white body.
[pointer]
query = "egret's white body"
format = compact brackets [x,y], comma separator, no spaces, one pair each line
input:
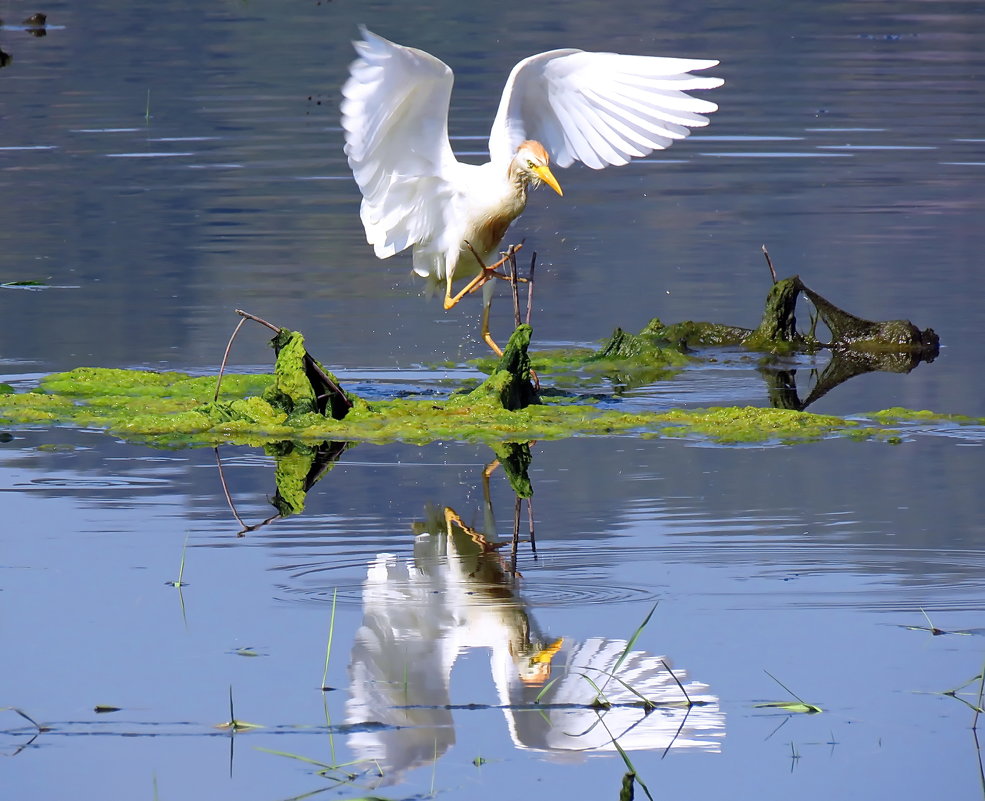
[598,108]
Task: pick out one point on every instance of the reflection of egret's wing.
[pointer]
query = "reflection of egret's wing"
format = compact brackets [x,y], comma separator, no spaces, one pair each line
[402,655]
[579,729]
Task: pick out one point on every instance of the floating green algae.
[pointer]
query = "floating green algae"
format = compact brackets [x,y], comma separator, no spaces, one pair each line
[301,403]
[898,414]
[175,409]
[734,424]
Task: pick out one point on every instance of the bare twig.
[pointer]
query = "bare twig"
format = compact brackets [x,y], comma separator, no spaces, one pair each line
[225,358]
[690,703]
[256,319]
[769,263]
[515,289]
[312,365]
[530,285]
[309,363]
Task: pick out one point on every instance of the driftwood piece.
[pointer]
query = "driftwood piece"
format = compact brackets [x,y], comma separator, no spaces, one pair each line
[857,346]
[777,332]
[849,331]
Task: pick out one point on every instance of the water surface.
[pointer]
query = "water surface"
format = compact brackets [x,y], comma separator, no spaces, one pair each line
[164,165]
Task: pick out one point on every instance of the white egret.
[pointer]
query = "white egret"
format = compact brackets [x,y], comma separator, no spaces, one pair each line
[567,105]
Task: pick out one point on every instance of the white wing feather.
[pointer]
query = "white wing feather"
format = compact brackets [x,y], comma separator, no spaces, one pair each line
[395,118]
[599,108]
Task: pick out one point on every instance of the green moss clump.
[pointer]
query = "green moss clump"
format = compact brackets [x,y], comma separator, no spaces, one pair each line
[752,424]
[897,414]
[291,390]
[650,347]
[693,334]
[509,386]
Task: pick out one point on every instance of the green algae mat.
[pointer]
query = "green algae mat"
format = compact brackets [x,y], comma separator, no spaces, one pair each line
[301,402]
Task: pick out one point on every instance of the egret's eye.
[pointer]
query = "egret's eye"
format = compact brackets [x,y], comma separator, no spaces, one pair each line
[530,164]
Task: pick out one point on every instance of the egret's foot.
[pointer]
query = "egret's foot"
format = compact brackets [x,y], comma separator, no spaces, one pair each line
[452,518]
[485,275]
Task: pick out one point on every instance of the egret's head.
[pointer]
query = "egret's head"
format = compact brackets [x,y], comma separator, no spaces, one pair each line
[532,162]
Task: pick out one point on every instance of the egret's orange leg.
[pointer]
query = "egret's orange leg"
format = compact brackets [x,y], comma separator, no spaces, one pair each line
[485,331]
[484,275]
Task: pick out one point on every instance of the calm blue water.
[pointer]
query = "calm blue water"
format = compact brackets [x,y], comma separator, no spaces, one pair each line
[850,140]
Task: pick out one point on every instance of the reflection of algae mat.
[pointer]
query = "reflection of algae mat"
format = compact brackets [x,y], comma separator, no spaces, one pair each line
[175,409]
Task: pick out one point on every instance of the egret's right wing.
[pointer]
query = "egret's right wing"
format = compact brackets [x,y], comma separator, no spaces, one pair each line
[395,118]
[599,108]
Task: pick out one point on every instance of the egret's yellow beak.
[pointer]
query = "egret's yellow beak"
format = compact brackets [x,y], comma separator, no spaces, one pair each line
[545,174]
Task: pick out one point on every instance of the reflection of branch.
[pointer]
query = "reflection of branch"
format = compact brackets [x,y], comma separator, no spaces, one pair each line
[981,770]
[845,364]
[245,528]
[225,489]
[677,733]
[978,708]
[40,728]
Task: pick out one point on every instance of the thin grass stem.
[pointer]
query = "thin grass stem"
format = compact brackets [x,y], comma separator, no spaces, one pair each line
[328,648]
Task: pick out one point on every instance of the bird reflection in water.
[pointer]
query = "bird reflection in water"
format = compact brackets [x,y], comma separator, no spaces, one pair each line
[460,591]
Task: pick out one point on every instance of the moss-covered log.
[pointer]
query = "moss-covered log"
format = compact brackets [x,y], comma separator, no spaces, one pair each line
[777,332]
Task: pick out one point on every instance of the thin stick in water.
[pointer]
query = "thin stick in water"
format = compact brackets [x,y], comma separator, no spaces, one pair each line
[769,263]
[530,286]
[515,289]
[225,358]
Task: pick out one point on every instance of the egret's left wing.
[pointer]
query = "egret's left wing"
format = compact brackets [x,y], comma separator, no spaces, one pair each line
[395,118]
[599,108]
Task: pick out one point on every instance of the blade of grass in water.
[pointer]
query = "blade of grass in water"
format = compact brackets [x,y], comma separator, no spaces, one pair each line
[630,644]
[328,648]
[801,706]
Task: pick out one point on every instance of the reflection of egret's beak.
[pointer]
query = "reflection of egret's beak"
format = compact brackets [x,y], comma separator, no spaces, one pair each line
[545,655]
[545,174]
[540,664]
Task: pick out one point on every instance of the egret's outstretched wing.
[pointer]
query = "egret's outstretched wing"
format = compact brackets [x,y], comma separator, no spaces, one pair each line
[395,118]
[599,108]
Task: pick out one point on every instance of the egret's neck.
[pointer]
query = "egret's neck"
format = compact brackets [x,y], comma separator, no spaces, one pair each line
[518,178]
